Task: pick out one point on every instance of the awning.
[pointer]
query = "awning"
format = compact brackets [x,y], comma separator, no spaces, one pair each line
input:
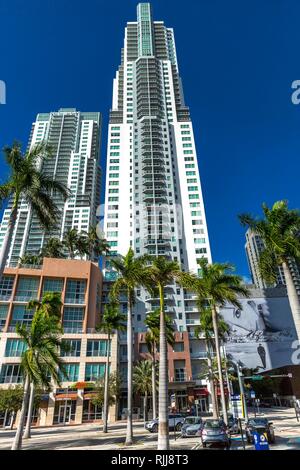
[67,396]
[201,392]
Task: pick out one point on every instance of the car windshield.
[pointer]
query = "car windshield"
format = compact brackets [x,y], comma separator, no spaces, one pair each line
[213,424]
[258,422]
[192,421]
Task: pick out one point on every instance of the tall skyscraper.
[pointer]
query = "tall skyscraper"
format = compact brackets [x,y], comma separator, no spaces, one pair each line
[254,246]
[153,199]
[74,138]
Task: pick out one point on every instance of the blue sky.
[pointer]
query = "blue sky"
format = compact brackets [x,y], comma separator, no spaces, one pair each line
[237,61]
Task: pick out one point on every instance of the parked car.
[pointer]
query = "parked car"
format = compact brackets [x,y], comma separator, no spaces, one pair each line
[214,432]
[262,426]
[192,426]
[175,420]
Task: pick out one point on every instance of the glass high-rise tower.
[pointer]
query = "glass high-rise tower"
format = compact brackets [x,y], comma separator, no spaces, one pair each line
[74,139]
[153,199]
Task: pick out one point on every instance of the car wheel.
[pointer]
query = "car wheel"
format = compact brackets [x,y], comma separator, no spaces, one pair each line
[155,428]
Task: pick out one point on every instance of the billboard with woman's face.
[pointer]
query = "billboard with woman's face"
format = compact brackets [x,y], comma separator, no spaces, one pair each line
[262,333]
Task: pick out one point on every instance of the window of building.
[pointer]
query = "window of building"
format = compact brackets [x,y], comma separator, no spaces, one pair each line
[27,288]
[52,285]
[72,348]
[3,315]
[94,371]
[15,348]
[75,292]
[178,347]
[201,251]
[20,315]
[10,374]
[73,319]
[70,373]
[97,347]
[6,287]
[199,240]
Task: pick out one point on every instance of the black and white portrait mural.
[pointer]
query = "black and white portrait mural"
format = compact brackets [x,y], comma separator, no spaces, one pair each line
[262,333]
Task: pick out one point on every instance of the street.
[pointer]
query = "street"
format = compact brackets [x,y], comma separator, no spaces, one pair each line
[90,436]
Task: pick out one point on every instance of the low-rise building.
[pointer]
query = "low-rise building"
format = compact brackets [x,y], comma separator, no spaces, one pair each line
[80,285]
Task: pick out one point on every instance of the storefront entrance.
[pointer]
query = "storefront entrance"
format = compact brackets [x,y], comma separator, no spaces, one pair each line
[202,405]
[64,414]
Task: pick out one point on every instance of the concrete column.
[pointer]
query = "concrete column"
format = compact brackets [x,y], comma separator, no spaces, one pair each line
[50,410]
[43,415]
[112,414]
[79,408]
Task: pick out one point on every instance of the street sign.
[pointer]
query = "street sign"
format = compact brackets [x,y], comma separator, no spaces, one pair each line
[260,441]
[252,394]
[196,402]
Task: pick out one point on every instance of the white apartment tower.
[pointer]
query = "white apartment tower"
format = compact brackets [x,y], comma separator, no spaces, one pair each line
[153,199]
[74,138]
[253,247]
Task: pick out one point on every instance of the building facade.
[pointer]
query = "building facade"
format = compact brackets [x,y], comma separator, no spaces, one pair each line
[74,139]
[153,199]
[253,247]
[80,284]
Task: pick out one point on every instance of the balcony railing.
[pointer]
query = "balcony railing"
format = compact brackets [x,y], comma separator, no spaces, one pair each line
[25,298]
[5,298]
[13,379]
[202,355]
[180,376]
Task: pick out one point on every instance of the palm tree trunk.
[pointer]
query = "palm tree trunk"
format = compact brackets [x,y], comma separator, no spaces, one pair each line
[129,435]
[211,380]
[7,239]
[163,397]
[219,361]
[293,297]
[153,383]
[17,444]
[144,406]
[27,432]
[106,386]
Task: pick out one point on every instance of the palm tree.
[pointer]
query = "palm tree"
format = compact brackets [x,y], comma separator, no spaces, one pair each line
[39,362]
[50,308]
[112,320]
[96,243]
[30,183]
[70,241]
[217,285]
[30,260]
[160,274]
[142,383]
[53,249]
[279,230]
[206,328]
[152,322]
[131,274]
